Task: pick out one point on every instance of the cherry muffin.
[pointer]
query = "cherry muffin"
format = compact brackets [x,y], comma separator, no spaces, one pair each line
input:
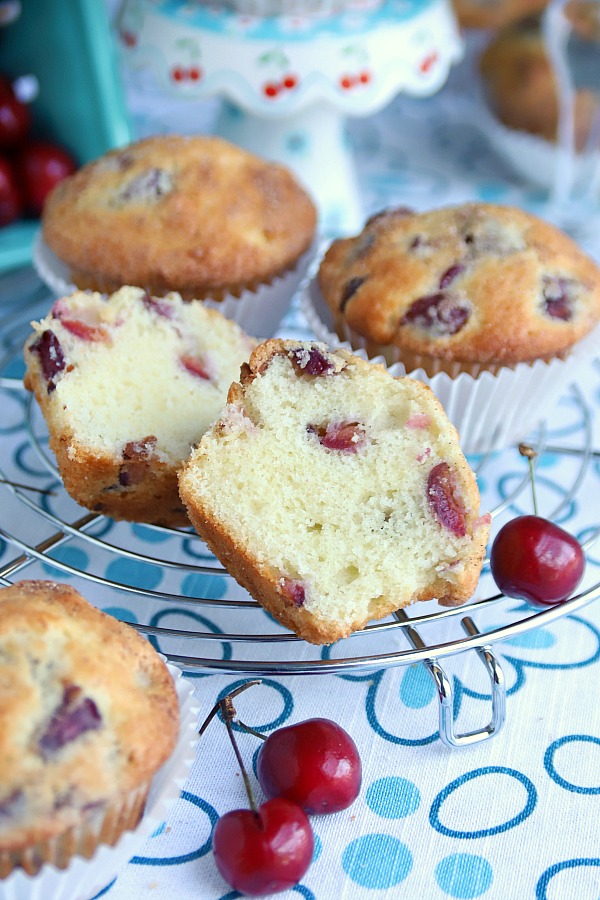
[475,285]
[196,215]
[335,493]
[127,384]
[492,307]
[521,85]
[88,714]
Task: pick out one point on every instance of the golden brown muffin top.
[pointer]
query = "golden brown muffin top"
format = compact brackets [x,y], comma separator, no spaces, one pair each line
[477,283]
[88,710]
[175,213]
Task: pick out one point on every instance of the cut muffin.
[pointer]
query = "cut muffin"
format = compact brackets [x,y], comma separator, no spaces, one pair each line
[88,714]
[127,384]
[335,493]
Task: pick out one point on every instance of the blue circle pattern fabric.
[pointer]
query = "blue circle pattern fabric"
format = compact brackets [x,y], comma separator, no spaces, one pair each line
[516,816]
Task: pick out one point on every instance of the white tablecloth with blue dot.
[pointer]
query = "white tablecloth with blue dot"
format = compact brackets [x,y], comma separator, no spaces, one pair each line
[511,817]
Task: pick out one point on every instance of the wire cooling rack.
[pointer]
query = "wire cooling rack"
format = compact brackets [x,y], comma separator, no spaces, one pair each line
[200,618]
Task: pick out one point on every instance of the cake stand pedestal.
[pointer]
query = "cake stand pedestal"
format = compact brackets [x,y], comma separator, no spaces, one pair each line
[289,83]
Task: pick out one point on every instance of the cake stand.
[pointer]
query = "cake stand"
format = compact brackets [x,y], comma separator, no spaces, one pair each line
[288,83]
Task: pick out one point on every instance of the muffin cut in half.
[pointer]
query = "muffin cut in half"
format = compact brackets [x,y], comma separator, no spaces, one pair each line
[127,384]
[335,493]
[88,714]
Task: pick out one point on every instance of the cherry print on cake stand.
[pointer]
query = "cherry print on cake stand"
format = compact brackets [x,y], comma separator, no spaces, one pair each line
[34,526]
[289,83]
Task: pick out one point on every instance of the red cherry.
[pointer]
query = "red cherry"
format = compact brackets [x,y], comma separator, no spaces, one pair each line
[533,559]
[263,852]
[346,82]
[290,82]
[11,201]
[178,74]
[365,77]
[195,73]
[270,89]
[314,763]
[15,118]
[42,165]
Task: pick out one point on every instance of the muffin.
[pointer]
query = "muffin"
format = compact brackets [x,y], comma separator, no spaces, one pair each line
[475,285]
[335,493]
[584,16]
[88,714]
[495,14]
[521,85]
[127,384]
[195,215]
[493,307]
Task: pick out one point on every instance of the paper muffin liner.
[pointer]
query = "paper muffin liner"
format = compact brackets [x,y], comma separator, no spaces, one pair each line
[539,161]
[127,823]
[258,311]
[490,409]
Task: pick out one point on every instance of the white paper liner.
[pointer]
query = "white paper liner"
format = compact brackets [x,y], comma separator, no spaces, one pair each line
[83,878]
[258,312]
[489,411]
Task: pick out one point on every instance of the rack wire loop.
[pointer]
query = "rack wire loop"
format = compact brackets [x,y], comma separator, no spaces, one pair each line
[448,734]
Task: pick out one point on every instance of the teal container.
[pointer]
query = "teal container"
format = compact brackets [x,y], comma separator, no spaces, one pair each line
[70,48]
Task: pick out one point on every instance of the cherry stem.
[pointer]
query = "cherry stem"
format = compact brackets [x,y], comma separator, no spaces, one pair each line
[530,454]
[228,713]
[227,709]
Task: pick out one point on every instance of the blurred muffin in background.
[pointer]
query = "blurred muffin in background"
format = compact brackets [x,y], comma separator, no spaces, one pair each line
[584,16]
[521,85]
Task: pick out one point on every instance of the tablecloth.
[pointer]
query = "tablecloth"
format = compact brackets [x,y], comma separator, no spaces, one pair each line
[515,816]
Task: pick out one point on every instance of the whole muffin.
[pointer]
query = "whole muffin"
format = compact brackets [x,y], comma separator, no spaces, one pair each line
[335,493]
[127,385]
[196,215]
[474,286]
[521,84]
[88,714]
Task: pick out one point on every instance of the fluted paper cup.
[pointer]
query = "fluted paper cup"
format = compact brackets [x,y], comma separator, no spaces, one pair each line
[258,311]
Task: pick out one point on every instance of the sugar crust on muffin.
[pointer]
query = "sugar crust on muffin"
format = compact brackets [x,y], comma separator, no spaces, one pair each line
[88,714]
[196,215]
[473,283]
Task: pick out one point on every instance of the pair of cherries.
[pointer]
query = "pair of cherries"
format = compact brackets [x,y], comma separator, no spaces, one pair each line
[310,768]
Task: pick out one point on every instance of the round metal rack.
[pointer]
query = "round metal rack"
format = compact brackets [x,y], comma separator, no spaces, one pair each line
[38,521]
